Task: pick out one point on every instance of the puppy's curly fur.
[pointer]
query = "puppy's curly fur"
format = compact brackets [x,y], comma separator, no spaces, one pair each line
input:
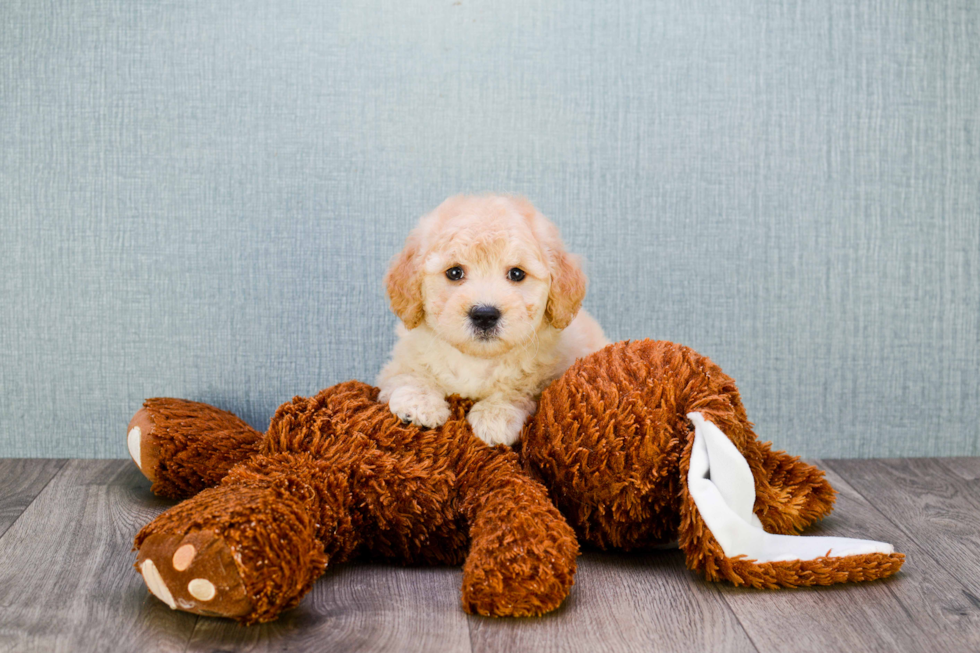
[490,305]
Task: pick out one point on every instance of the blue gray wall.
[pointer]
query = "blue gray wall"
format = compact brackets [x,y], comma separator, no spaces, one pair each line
[199,199]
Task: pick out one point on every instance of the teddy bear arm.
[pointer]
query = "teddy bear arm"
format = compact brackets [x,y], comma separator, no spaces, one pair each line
[185,446]
[522,551]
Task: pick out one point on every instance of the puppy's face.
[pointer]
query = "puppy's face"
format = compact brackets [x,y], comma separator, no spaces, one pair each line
[483,292]
[485,274]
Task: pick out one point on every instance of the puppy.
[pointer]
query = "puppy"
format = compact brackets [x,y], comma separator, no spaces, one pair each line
[489,302]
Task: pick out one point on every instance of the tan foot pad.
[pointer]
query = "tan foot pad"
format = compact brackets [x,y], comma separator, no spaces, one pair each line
[144,448]
[196,573]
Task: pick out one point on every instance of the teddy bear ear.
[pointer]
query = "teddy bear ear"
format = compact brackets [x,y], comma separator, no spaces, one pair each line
[722,536]
[403,282]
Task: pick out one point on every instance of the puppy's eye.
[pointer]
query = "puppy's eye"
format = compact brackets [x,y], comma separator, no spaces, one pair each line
[516,274]
[454,273]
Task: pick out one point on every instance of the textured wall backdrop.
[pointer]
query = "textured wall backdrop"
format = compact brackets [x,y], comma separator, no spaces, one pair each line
[199,199]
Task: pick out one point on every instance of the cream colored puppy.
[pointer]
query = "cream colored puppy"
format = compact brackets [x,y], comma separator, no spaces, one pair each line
[490,307]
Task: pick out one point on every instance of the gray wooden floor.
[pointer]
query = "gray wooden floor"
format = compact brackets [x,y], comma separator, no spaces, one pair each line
[67,582]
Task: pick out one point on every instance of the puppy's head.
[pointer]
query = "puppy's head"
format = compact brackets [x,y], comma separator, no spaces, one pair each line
[486,273]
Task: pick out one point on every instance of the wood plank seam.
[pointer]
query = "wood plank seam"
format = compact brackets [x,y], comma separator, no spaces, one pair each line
[900,602]
[728,605]
[973,488]
[192,633]
[469,630]
[61,466]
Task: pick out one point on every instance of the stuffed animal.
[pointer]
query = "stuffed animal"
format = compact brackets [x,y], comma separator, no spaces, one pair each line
[640,444]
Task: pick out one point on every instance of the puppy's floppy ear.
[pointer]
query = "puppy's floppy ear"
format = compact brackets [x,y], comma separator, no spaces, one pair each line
[404,283]
[567,279]
[567,288]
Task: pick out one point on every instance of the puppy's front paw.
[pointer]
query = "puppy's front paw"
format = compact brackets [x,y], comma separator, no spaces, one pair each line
[499,422]
[419,406]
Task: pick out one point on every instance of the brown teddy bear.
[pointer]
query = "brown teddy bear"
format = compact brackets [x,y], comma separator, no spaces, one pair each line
[639,444]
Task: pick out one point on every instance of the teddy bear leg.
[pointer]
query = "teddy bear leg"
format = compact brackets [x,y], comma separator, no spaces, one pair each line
[252,546]
[790,494]
[722,536]
[522,552]
[185,446]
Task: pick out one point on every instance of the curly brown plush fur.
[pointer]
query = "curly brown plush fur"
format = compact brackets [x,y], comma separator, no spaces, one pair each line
[612,442]
[182,460]
[337,475]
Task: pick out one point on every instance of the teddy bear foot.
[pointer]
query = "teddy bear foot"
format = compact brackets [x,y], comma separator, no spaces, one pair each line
[194,573]
[532,592]
[246,549]
[143,445]
[185,446]
[522,554]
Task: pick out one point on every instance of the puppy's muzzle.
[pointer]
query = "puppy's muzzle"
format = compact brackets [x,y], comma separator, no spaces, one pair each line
[485,319]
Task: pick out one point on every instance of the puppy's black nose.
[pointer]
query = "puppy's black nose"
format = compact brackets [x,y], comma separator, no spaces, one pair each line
[484,317]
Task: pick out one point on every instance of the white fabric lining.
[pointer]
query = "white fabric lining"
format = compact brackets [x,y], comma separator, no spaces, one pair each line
[722,486]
